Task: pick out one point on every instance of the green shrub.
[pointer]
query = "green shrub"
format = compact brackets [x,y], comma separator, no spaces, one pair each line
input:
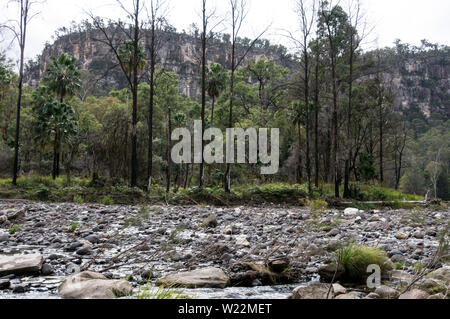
[355,259]
[107,200]
[77,199]
[43,192]
[14,229]
[133,222]
[73,227]
[161,292]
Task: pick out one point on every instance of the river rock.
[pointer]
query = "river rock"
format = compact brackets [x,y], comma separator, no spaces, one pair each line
[91,285]
[442,274]
[313,290]
[348,296]
[386,292]
[4,284]
[210,221]
[401,236]
[414,294]
[21,264]
[3,219]
[351,212]
[201,278]
[339,290]
[278,265]
[4,237]
[329,272]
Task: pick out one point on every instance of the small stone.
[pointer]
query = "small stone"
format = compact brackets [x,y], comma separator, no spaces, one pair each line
[339,290]
[351,212]
[84,251]
[334,232]
[46,270]
[4,284]
[19,289]
[210,221]
[375,218]
[437,296]
[93,239]
[401,236]
[242,241]
[4,237]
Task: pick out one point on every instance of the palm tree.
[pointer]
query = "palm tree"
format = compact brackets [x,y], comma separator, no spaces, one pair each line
[216,78]
[62,78]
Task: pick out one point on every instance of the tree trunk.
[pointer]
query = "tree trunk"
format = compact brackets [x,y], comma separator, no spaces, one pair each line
[151,105]
[308,135]
[135,96]
[316,122]
[202,164]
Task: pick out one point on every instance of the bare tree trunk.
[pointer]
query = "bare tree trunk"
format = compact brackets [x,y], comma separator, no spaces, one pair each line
[135,96]
[201,177]
[169,146]
[316,120]
[300,166]
[21,37]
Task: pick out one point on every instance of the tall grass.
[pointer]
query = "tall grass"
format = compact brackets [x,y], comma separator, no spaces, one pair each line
[356,258]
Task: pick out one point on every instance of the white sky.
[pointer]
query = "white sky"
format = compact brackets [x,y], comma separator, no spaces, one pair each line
[408,20]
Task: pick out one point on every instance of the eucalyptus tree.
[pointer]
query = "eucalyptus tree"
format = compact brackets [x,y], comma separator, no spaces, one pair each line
[62,77]
[239,13]
[332,22]
[113,34]
[19,28]
[153,42]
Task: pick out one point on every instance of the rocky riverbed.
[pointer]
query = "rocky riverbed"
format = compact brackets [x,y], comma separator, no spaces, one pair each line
[239,252]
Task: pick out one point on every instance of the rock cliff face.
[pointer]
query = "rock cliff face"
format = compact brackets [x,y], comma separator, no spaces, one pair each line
[423,82]
[419,81]
[179,53]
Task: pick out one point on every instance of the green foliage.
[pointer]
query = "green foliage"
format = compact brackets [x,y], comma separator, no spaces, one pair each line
[14,229]
[107,200]
[73,227]
[355,260]
[133,222]
[78,199]
[162,292]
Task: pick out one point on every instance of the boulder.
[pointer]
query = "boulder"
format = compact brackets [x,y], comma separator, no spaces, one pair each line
[328,272]
[201,278]
[414,294]
[348,296]
[21,264]
[210,221]
[13,214]
[280,264]
[313,290]
[91,285]
[351,212]
[442,274]
[339,290]
[386,292]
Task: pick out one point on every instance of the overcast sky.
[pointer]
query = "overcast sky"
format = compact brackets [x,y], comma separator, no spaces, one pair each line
[408,20]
